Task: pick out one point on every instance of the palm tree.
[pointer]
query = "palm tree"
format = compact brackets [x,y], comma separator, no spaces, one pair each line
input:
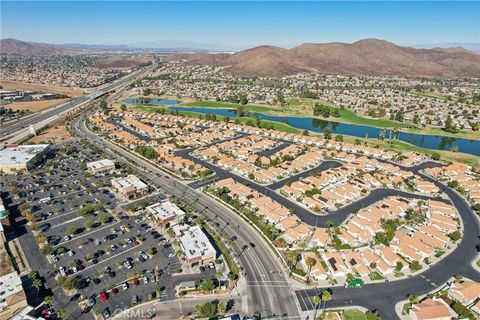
[316,301]
[61,314]
[37,283]
[32,275]
[326,296]
[310,262]
[48,300]
[293,258]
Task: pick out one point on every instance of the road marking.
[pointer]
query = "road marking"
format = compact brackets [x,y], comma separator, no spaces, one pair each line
[109,258]
[66,222]
[86,234]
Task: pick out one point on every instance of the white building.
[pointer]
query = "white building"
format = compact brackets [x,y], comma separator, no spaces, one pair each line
[165,211]
[12,296]
[101,166]
[129,187]
[21,158]
[197,246]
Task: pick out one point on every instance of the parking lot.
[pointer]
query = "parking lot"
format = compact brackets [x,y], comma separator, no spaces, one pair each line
[86,233]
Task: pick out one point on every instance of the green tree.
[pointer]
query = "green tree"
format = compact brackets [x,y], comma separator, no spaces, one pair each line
[310,262]
[48,300]
[326,296]
[32,275]
[455,235]
[88,224]
[222,307]
[37,284]
[103,218]
[123,107]
[207,285]
[206,310]
[316,302]
[339,138]
[415,266]
[62,314]
[71,230]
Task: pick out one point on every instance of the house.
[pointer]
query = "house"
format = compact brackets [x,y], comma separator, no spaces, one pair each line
[465,291]
[432,309]
[12,296]
[317,271]
[337,266]
[319,238]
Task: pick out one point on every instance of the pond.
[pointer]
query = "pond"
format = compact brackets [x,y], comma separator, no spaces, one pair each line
[434,142]
[151,101]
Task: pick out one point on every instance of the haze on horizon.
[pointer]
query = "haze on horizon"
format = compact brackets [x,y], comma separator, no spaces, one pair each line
[239,25]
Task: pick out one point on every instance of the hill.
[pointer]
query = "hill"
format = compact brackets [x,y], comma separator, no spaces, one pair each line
[14,46]
[365,57]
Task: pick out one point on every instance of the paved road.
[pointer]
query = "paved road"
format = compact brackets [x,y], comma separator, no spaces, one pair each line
[267,285]
[46,114]
[275,295]
[303,213]
[383,297]
[325,165]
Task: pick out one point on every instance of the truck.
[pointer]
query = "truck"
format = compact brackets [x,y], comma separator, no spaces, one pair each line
[354,283]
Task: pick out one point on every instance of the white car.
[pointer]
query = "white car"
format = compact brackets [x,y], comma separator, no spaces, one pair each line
[62,271]
[71,253]
[127,264]
[125,286]
[74,270]
[113,247]
[145,280]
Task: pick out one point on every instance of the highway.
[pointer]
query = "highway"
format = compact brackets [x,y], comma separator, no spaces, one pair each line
[267,286]
[22,125]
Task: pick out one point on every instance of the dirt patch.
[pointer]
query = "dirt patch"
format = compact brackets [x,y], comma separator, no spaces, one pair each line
[36,106]
[72,92]
[53,135]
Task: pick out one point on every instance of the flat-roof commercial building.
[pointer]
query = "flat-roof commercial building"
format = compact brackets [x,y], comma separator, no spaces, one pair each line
[21,158]
[165,211]
[129,187]
[197,246]
[101,166]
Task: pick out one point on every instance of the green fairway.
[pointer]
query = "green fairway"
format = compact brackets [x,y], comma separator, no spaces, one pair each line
[351,117]
[226,105]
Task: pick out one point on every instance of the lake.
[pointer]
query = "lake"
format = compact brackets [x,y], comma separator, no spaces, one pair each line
[151,102]
[434,142]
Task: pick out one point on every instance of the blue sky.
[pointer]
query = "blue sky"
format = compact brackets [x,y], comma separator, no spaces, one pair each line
[240,24]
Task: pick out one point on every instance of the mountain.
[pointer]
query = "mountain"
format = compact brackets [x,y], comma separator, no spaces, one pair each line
[14,46]
[472,46]
[365,57]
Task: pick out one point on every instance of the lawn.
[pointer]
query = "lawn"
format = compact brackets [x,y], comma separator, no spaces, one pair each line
[478,263]
[375,275]
[354,314]
[439,253]
[351,117]
[226,105]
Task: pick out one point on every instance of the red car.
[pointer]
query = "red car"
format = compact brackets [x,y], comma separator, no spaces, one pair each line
[103,296]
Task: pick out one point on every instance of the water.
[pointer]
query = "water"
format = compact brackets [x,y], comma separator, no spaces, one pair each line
[151,101]
[425,141]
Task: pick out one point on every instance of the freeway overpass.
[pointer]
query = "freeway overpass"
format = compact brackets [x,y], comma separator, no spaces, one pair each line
[20,129]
